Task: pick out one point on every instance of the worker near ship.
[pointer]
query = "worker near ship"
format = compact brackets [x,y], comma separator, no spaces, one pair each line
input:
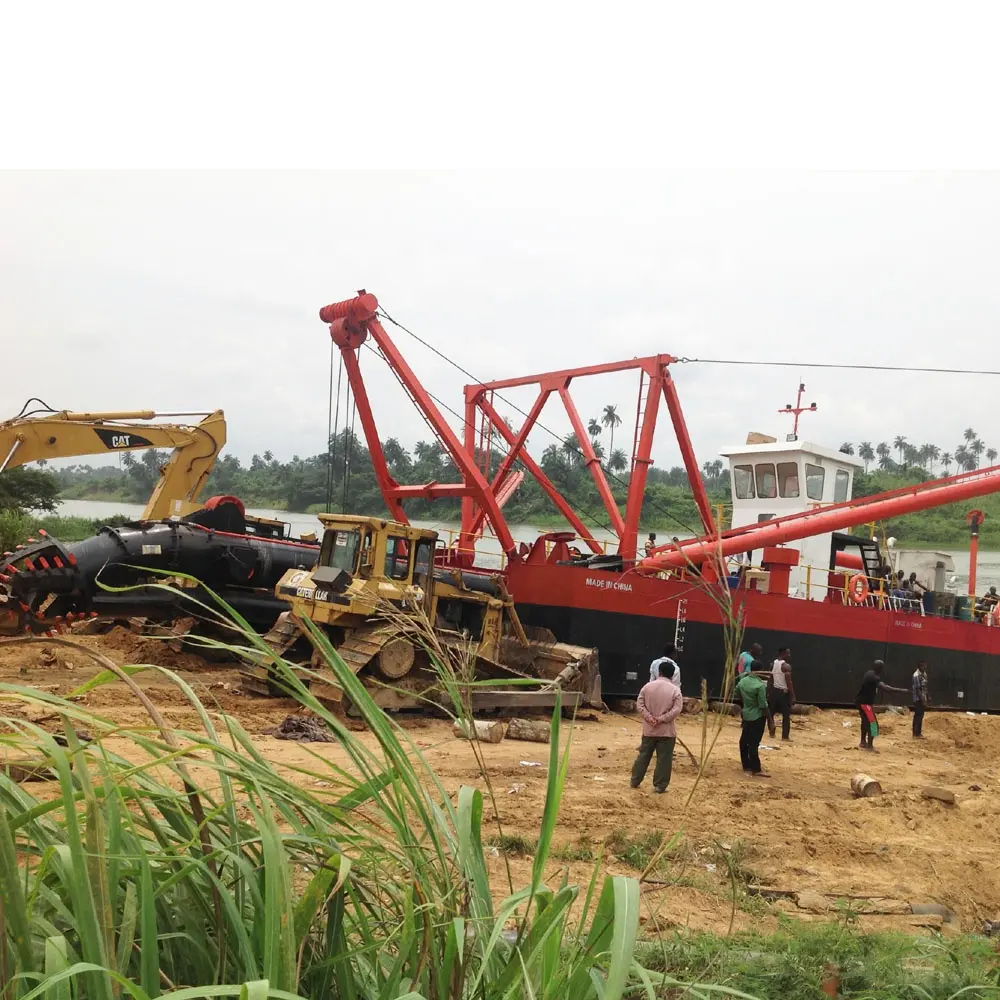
[650,543]
[920,699]
[755,715]
[669,652]
[871,685]
[782,691]
[659,703]
[744,663]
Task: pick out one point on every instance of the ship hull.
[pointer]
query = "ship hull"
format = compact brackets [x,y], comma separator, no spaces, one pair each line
[630,619]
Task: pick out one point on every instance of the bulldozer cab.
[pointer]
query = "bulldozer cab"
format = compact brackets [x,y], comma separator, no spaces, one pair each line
[362,560]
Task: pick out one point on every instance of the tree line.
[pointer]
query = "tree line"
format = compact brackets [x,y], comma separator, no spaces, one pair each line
[966,456]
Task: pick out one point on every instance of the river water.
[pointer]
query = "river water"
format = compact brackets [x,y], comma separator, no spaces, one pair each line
[987,573]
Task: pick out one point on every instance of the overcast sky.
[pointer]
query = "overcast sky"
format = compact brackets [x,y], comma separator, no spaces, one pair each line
[200,290]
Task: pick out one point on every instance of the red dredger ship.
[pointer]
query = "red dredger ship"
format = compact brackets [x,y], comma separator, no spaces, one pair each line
[800,580]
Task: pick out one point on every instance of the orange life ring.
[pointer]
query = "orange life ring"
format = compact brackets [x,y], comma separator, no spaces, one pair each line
[857,588]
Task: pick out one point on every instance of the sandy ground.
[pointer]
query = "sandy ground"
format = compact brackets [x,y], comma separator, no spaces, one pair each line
[799,829]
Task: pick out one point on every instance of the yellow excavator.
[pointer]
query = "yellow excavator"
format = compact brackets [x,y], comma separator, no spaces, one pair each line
[60,434]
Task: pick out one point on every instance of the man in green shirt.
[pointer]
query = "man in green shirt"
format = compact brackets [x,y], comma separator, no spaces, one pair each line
[755,717]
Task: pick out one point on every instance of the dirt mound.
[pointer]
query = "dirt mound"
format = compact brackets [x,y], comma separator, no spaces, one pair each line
[135,648]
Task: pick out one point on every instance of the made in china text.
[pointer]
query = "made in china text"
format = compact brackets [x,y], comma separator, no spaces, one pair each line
[607,584]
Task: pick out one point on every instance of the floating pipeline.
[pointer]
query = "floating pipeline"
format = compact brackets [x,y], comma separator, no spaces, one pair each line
[47,583]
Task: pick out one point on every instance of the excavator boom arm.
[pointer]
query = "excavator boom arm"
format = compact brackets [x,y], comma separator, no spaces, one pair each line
[65,434]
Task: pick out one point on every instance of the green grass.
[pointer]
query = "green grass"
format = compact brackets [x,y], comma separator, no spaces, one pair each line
[513,844]
[791,964]
[16,527]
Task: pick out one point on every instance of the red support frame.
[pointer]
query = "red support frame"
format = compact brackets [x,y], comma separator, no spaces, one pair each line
[657,381]
[354,320]
[351,322]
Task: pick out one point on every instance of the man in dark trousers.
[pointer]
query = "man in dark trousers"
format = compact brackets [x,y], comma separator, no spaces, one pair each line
[920,699]
[659,703]
[871,685]
[782,691]
[756,716]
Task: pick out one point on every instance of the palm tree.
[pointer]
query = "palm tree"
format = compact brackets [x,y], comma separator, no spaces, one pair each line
[991,455]
[977,448]
[846,448]
[911,455]
[946,461]
[964,458]
[883,451]
[899,444]
[866,453]
[969,434]
[571,448]
[594,428]
[611,420]
[617,462]
[929,454]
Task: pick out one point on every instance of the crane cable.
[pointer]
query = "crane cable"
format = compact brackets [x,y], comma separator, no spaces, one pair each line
[844,367]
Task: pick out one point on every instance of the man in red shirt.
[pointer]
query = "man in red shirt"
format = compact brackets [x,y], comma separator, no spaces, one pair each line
[659,703]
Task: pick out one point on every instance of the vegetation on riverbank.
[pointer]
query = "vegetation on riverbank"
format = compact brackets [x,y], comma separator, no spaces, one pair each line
[306,485]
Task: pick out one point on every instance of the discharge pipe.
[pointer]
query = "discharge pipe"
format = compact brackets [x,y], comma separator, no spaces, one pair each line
[954,489]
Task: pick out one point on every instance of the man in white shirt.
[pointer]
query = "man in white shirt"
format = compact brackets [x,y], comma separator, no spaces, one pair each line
[668,657]
[782,690]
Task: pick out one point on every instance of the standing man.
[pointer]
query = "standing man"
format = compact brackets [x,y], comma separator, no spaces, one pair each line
[655,668]
[782,691]
[650,543]
[871,685]
[659,703]
[920,699]
[755,717]
[744,664]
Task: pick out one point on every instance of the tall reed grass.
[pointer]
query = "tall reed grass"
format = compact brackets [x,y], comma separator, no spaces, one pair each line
[173,864]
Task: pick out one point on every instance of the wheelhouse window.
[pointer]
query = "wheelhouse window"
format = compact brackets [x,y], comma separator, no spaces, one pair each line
[743,482]
[767,484]
[397,557]
[815,481]
[340,549]
[841,484]
[788,479]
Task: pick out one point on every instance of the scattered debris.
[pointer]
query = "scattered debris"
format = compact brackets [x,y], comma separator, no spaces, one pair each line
[975,788]
[518,786]
[724,708]
[477,729]
[932,909]
[29,769]
[534,731]
[531,763]
[941,794]
[814,902]
[865,786]
[302,729]
[798,709]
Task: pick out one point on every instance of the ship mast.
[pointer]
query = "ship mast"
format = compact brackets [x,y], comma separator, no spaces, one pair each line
[797,410]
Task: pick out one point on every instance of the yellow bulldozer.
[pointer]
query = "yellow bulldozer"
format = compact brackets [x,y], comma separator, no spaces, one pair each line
[368,565]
